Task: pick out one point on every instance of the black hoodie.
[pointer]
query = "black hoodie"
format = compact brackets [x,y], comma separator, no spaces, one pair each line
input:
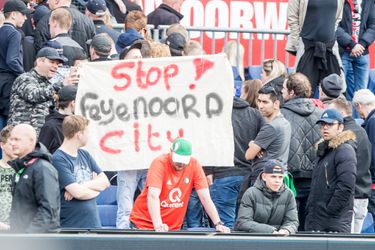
[51,134]
[246,122]
[36,194]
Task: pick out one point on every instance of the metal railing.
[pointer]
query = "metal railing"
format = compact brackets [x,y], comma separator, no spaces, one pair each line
[161,32]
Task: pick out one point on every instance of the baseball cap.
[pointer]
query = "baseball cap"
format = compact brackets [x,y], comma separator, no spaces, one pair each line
[136,45]
[332,85]
[330,116]
[181,151]
[40,12]
[67,93]
[101,43]
[16,5]
[176,43]
[51,54]
[126,39]
[96,7]
[273,167]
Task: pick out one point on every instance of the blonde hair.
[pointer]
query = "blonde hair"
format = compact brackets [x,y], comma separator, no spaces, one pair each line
[193,48]
[73,124]
[62,17]
[273,69]
[159,50]
[234,59]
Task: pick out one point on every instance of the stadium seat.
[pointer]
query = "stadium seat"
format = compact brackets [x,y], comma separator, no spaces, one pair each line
[107,206]
[368,224]
[254,72]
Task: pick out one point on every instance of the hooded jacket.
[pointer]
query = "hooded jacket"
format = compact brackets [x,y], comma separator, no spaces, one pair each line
[51,134]
[302,116]
[36,195]
[330,203]
[246,122]
[264,211]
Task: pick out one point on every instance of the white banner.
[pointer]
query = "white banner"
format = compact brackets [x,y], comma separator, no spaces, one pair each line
[137,108]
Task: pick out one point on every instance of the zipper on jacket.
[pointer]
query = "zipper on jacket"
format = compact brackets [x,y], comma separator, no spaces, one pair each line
[326,173]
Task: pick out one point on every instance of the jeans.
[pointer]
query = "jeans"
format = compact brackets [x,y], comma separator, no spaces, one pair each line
[371,204]
[127,183]
[195,215]
[359,214]
[224,192]
[357,72]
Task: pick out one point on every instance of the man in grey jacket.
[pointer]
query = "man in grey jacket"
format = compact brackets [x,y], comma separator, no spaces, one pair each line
[302,115]
[269,206]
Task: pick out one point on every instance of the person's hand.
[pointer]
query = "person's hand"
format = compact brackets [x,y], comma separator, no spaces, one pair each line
[281,231]
[222,229]
[72,78]
[68,196]
[357,50]
[260,154]
[4,226]
[210,179]
[162,228]
[94,175]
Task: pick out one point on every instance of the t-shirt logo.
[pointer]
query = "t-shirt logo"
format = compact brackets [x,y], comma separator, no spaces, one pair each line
[169,182]
[186,180]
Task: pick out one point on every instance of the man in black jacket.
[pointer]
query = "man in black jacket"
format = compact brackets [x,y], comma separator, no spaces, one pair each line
[355,33]
[302,115]
[330,203]
[36,196]
[227,181]
[82,29]
[167,13]
[363,153]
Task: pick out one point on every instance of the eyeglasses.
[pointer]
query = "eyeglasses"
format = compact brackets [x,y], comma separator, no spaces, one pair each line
[267,89]
[327,125]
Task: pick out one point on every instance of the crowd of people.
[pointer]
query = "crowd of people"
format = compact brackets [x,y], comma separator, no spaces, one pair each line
[304,143]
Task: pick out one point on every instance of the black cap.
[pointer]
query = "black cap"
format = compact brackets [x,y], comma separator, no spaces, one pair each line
[51,54]
[67,93]
[273,167]
[96,7]
[332,85]
[102,43]
[136,45]
[40,12]
[16,5]
[176,43]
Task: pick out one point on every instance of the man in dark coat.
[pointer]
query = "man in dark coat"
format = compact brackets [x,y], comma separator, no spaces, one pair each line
[227,181]
[330,203]
[36,196]
[364,102]
[355,33]
[167,13]
[363,153]
[302,115]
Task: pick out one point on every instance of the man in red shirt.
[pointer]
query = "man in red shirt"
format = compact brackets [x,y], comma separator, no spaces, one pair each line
[171,177]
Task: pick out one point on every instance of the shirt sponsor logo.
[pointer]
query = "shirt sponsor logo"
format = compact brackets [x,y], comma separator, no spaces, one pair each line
[174,198]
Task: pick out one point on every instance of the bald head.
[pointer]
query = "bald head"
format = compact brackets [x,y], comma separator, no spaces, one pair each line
[23,139]
[175,4]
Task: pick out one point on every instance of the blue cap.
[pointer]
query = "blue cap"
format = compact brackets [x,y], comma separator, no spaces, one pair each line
[273,166]
[330,116]
[126,39]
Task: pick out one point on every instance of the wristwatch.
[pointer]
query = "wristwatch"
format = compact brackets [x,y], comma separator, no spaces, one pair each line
[219,223]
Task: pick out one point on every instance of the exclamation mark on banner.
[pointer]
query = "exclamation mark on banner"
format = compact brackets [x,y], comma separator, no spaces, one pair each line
[201,66]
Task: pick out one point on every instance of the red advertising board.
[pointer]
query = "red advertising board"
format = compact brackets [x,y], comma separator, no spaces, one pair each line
[255,14]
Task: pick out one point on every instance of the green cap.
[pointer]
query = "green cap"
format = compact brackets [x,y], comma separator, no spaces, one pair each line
[181,151]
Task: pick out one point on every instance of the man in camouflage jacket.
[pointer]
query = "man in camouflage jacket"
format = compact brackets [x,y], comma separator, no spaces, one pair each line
[32,92]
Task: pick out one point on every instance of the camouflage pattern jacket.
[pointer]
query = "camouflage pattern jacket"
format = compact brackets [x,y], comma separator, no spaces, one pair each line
[30,99]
